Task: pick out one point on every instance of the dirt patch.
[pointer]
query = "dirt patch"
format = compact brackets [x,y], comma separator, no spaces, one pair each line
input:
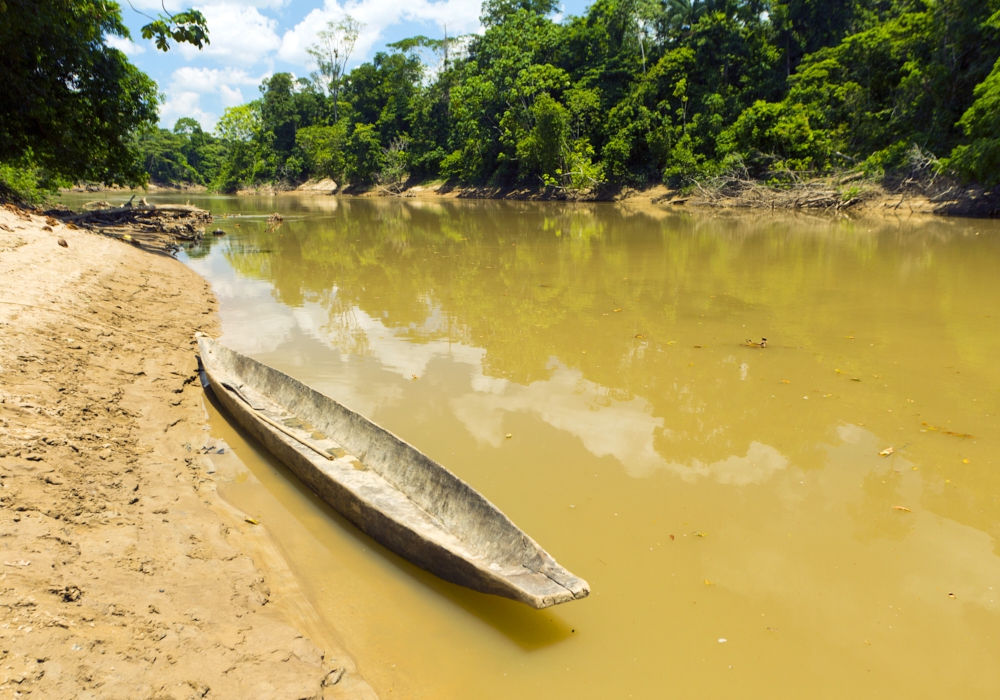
[122,573]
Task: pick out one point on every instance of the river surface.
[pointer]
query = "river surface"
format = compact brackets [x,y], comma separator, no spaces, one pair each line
[585,368]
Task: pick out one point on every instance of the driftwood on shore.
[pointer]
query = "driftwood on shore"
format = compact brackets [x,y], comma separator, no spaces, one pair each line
[165,224]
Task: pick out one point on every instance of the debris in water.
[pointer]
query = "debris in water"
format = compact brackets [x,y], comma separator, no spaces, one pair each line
[902,508]
[251,520]
[218,232]
[761,344]
[946,431]
[508,436]
[886,452]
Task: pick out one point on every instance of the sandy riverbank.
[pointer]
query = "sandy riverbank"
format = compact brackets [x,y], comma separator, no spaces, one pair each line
[122,572]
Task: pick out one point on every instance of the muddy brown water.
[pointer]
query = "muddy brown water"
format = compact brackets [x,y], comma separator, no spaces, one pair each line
[584,368]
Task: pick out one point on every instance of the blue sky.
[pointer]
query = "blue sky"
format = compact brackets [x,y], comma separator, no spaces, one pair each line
[251,39]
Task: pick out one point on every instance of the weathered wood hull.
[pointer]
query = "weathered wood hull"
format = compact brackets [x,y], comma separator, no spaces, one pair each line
[388,488]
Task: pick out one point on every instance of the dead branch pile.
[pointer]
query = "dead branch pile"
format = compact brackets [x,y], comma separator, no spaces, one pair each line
[738,190]
[164,224]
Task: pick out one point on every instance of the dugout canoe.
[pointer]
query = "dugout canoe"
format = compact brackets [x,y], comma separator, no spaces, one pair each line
[388,488]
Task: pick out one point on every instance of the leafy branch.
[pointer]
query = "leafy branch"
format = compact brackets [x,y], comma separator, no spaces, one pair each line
[189,27]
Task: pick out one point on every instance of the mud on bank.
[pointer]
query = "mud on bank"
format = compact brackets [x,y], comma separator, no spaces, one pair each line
[122,573]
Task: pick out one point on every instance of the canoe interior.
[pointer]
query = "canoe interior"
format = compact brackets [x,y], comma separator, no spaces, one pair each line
[394,492]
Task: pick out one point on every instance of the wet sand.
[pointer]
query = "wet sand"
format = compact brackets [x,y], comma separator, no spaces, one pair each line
[122,573]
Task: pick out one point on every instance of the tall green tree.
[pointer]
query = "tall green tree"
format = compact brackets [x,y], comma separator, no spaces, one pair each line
[72,105]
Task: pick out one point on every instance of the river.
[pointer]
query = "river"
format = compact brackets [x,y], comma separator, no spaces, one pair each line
[585,367]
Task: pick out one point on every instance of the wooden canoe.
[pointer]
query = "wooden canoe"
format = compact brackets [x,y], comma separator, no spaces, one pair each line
[392,491]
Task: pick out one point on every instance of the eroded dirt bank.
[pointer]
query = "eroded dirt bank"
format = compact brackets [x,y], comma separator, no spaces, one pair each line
[122,573]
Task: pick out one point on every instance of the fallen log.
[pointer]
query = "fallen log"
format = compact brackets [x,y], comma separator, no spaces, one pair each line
[151,210]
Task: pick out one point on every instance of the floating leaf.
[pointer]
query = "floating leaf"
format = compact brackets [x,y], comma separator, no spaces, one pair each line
[785,381]
[617,310]
[708,583]
[701,534]
[251,520]
[671,342]
[640,335]
[965,461]
[508,436]
[886,452]
[902,508]
[855,379]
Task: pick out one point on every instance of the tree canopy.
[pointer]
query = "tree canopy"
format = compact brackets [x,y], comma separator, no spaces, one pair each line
[632,92]
[72,106]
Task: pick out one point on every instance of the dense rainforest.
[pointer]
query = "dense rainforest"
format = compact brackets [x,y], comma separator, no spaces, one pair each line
[632,93]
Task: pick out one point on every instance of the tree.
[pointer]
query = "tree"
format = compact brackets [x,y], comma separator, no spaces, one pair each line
[73,106]
[239,129]
[279,118]
[364,154]
[684,14]
[331,53]
[323,147]
[979,160]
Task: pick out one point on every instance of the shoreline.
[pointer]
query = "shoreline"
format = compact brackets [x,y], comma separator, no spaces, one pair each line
[820,196]
[124,572]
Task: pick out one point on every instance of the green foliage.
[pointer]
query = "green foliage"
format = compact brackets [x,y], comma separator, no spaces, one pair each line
[979,160]
[633,92]
[22,185]
[394,164]
[363,154]
[239,130]
[164,159]
[71,104]
[187,27]
[777,136]
[541,149]
[323,149]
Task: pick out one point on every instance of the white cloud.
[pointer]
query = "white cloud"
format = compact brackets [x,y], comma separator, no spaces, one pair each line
[230,96]
[126,46]
[184,104]
[461,16]
[188,84]
[206,80]
[239,35]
